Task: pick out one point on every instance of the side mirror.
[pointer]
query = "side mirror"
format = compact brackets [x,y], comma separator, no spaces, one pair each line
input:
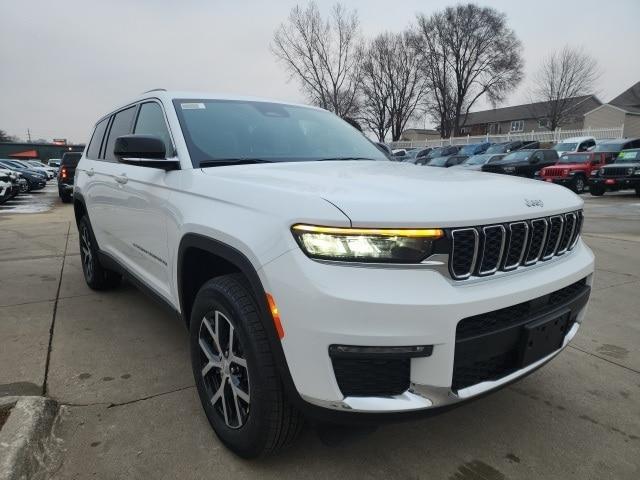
[143,150]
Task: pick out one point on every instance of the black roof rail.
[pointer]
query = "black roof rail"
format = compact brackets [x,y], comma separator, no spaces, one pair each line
[155,90]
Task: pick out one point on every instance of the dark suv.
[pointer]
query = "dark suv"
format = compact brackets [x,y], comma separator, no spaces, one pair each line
[67,171]
[523,163]
[622,174]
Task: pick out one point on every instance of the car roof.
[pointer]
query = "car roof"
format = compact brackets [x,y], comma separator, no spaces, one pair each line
[617,141]
[575,139]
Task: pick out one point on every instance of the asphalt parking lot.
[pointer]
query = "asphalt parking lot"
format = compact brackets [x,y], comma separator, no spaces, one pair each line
[119,364]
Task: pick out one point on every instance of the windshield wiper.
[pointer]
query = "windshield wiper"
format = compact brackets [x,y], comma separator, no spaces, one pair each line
[231,161]
[343,158]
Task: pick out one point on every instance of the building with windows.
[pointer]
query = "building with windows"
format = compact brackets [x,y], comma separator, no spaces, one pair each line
[531,117]
[623,111]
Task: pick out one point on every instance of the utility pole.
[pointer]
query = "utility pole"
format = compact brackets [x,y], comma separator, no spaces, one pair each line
[29,135]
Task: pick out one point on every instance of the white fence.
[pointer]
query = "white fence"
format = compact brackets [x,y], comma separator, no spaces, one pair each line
[543,136]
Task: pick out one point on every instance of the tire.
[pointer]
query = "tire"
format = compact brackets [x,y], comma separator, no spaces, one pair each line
[250,414]
[96,276]
[578,184]
[596,191]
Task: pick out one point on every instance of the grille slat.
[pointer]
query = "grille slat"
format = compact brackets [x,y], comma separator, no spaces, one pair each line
[538,236]
[616,171]
[485,250]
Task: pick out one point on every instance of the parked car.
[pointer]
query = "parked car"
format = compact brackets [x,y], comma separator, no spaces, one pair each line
[507,147]
[575,144]
[35,180]
[257,242]
[6,186]
[16,183]
[445,151]
[622,174]
[54,162]
[612,147]
[574,169]
[523,163]
[67,172]
[477,161]
[447,162]
[474,148]
[422,154]
[39,164]
[47,172]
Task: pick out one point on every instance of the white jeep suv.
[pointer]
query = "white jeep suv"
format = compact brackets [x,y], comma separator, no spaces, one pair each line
[317,278]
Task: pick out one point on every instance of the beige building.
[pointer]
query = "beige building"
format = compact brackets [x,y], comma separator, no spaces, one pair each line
[622,111]
[419,134]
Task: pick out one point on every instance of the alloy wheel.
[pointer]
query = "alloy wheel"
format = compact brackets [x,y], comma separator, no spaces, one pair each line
[579,185]
[85,250]
[224,369]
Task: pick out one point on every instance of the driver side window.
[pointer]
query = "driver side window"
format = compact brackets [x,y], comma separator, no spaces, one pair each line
[151,122]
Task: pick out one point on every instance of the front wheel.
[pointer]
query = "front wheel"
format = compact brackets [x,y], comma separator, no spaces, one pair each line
[234,370]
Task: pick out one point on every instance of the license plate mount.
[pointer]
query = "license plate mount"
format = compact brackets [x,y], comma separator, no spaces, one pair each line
[542,337]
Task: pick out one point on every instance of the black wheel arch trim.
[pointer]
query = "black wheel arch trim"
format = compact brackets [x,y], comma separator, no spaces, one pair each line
[244,265]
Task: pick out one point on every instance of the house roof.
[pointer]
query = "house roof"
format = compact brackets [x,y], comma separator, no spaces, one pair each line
[580,105]
[629,100]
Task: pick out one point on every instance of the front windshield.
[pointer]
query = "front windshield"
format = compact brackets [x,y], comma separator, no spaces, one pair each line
[519,155]
[628,157]
[439,162]
[497,148]
[468,149]
[565,147]
[436,152]
[608,147]
[237,130]
[577,158]
[478,160]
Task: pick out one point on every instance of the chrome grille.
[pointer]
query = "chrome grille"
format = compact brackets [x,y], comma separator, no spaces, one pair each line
[485,250]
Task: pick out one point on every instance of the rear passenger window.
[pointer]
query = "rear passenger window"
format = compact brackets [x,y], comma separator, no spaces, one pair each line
[93,150]
[121,126]
[151,122]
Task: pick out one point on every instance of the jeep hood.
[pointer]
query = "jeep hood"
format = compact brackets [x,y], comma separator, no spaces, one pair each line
[398,194]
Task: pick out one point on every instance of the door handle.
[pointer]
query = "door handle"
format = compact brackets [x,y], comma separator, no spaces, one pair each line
[121,179]
[91,172]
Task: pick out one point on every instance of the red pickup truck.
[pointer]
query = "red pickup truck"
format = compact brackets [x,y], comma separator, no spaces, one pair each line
[574,169]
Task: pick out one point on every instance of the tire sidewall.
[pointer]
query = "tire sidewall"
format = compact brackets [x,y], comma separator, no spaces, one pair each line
[85,224]
[247,441]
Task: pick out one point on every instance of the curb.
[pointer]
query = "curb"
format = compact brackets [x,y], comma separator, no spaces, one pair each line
[24,438]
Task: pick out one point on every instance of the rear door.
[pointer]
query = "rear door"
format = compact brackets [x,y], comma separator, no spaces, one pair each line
[142,209]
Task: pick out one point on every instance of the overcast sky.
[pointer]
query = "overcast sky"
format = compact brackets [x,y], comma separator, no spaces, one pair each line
[63,64]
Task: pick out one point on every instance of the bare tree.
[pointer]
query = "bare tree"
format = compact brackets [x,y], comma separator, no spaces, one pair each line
[469,52]
[5,137]
[323,55]
[563,75]
[374,106]
[392,84]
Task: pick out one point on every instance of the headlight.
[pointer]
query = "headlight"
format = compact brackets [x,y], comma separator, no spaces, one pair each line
[629,171]
[602,171]
[367,244]
[510,169]
[594,173]
[565,172]
[636,171]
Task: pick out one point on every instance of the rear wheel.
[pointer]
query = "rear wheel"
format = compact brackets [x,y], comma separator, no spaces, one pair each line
[96,276]
[235,373]
[596,191]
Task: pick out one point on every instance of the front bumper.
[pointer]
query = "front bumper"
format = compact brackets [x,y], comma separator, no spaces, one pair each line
[322,305]
[615,183]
